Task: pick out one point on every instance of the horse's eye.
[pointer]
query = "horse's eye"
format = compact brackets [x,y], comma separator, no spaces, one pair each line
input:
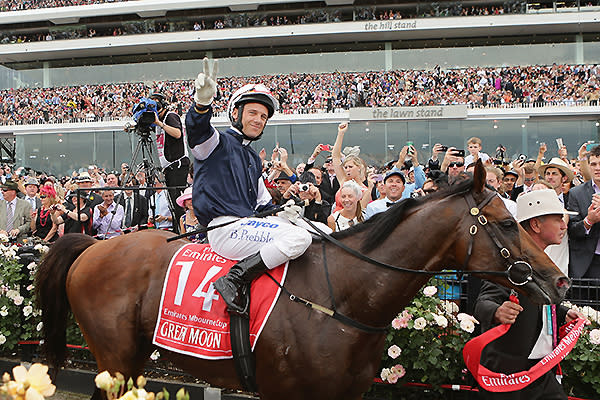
[508,224]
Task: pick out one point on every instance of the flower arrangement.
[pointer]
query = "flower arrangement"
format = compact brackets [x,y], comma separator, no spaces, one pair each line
[425,342]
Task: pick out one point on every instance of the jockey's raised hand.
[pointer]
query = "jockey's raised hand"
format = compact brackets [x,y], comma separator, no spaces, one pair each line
[206,83]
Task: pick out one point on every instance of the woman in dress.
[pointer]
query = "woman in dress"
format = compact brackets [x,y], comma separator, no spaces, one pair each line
[351,212]
[42,225]
[188,221]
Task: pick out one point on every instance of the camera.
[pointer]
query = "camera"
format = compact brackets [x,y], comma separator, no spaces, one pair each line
[303,187]
[267,164]
[522,157]
[144,114]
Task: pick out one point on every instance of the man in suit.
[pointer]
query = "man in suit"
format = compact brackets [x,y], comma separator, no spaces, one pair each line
[584,230]
[527,341]
[329,182]
[32,187]
[15,213]
[135,206]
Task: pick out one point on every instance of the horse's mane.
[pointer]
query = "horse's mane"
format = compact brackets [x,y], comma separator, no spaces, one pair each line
[382,224]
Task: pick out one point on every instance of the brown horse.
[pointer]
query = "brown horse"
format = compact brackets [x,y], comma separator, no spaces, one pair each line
[114,287]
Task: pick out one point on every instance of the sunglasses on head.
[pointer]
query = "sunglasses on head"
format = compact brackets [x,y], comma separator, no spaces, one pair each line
[456,164]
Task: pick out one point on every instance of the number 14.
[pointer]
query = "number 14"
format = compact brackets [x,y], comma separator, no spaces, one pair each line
[209,295]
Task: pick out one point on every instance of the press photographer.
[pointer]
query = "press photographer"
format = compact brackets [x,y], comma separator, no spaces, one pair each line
[317,209]
[172,152]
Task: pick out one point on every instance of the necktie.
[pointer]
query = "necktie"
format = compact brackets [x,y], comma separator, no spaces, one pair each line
[10,216]
[389,203]
[32,202]
[128,212]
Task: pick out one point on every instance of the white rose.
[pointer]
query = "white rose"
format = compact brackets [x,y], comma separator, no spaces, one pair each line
[32,265]
[595,336]
[394,351]
[420,323]
[39,326]
[449,307]
[3,238]
[2,339]
[384,374]
[591,314]
[467,325]
[462,316]
[430,291]
[27,310]
[441,321]
[18,300]
[37,247]
[12,294]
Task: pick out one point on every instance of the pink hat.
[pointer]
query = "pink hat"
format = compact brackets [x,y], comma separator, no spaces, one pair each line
[186,195]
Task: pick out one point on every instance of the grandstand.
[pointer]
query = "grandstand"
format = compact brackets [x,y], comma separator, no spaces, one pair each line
[398,70]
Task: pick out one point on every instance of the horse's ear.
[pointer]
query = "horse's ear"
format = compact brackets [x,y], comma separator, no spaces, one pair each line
[479,176]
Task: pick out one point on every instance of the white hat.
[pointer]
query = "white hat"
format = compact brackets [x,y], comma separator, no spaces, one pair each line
[539,202]
[560,164]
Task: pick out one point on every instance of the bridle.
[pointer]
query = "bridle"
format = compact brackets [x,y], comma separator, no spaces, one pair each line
[480,220]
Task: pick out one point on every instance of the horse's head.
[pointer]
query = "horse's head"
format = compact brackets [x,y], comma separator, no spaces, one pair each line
[515,259]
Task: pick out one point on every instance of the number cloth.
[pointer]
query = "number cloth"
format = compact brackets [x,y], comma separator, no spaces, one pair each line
[192,317]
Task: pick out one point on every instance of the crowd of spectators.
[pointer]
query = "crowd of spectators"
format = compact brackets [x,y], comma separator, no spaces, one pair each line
[17,5]
[327,92]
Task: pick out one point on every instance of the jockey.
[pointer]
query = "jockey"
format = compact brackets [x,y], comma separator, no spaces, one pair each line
[228,186]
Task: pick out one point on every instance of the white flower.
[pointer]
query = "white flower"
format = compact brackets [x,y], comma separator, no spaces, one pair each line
[32,265]
[18,300]
[39,326]
[449,307]
[12,294]
[104,381]
[384,374]
[440,320]
[467,325]
[462,316]
[430,291]
[2,339]
[394,351]
[3,238]
[420,323]
[595,336]
[4,311]
[38,247]
[45,249]
[155,355]
[27,310]
[30,288]
[591,314]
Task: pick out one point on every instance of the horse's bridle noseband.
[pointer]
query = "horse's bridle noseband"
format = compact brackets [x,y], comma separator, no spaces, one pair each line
[475,211]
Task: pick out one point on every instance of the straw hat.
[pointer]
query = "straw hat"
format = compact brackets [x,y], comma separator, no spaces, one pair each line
[560,164]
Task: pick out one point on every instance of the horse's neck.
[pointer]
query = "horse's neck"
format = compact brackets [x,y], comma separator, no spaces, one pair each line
[373,294]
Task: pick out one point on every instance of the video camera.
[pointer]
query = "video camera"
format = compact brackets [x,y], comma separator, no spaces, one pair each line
[144,114]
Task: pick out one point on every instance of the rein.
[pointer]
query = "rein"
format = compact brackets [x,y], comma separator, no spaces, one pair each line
[480,219]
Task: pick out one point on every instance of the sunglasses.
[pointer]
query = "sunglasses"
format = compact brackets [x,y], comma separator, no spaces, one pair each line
[43,196]
[456,164]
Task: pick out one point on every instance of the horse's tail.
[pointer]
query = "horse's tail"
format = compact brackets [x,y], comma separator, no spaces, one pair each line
[51,293]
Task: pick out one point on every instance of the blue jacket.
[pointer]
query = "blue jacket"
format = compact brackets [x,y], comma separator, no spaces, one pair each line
[227,171]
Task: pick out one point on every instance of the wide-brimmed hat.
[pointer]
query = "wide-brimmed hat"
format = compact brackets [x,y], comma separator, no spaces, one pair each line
[539,202]
[560,164]
[186,195]
[10,185]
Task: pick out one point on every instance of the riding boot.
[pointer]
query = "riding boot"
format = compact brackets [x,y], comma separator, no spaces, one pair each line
[233,286]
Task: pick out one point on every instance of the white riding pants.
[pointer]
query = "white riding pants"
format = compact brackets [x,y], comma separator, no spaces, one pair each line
[276,238]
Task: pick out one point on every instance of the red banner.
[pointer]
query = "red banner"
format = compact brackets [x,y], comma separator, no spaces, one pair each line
[192,317]
[498,382]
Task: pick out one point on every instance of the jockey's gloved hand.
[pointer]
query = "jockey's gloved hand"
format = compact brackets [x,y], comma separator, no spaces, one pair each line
[206,84]
[291,211]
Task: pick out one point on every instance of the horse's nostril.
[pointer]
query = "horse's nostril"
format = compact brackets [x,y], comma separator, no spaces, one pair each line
[563,282]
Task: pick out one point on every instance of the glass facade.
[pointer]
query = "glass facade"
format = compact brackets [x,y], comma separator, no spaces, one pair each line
[574,51]
[379,142]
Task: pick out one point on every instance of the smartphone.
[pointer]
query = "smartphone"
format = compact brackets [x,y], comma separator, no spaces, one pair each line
[590,146]
[378,177]
[459,153]
[326,147]
[443,149]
